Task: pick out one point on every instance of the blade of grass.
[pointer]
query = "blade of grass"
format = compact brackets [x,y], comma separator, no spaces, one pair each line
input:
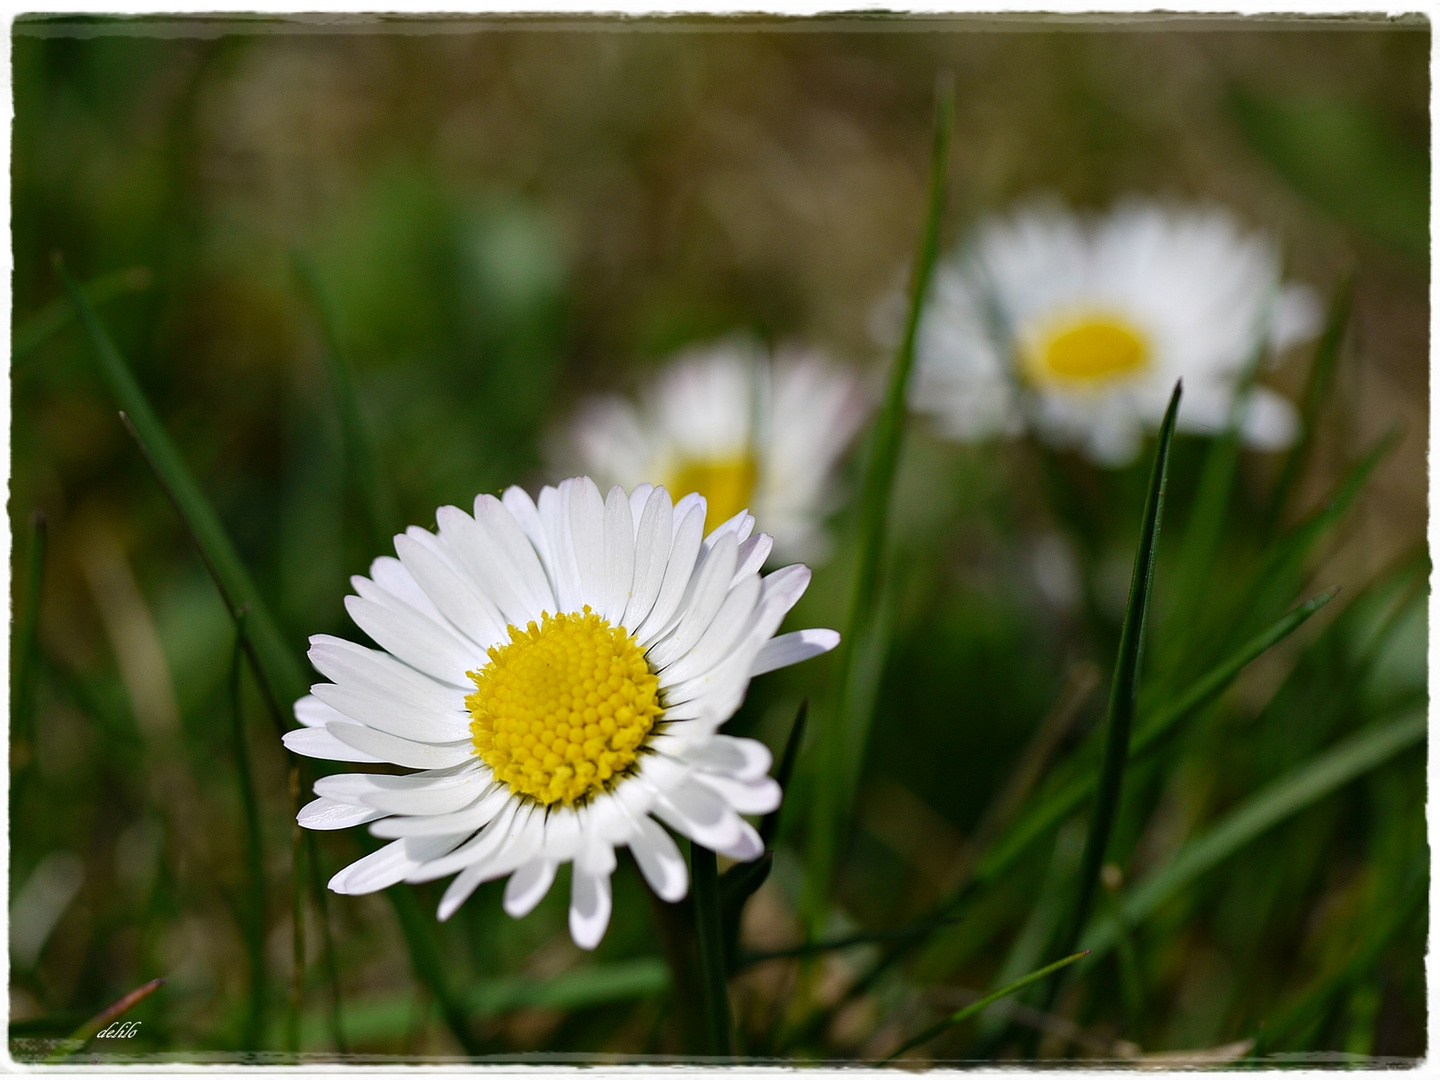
[280,673]
[374,494]
[705,879]
[770,823]
[1312,1004]
[1298,789]
[297,920]
[845,733]
[254,909]
[56,315]
[1123,691]
[77,1039]
[984,1003]
[327,939]
[1317,388]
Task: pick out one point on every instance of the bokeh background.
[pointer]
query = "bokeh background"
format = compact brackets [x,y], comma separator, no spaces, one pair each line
[504,215]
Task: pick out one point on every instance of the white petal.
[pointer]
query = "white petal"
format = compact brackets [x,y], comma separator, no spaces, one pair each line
[384,713]
[420,642]
[1270,422]
[746,796]
[473,816]
[376,789]
[589,907]
[689,531]
[312,712]
[724,630]
[701,814]
[392,576]
[320,743]
[349,664]
[564,575]
[517,500]
[747,847]
[738,526]
[479,556]
[519,844]
[686,504]
[706,594]
[653,533]
[329,814]
[585,520]
[619,552]
[439,798]
[752,556]
[472,614]
[400,751]
[792,648]
[519,555]
[477,849]
[659,860]
[638,498]
[528,886]
[744,759]
[390,864]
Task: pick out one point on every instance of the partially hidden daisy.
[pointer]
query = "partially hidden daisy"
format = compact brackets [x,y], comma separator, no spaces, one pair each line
[1078,328]
[557,671]
[738,426]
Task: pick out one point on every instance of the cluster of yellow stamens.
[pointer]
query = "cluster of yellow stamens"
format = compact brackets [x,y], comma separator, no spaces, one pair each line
[563,707]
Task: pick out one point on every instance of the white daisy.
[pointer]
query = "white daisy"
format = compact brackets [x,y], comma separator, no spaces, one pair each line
[558,672]
[743,431]
[1078,329]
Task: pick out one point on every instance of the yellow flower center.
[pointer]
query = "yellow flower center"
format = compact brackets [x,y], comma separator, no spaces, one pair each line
[1091,349]
[563,708]
[727,484]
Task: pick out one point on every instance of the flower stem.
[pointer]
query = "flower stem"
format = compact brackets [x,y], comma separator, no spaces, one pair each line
[706,877]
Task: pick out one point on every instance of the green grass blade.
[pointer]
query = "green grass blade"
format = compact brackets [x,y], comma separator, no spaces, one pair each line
[1125,686]
[254,909]
[56,315]
[984,1003]
[770,823]
[714,992]
[1304,1012]
[1285,797]
[1317,388]
[296,1005]
[846,735]
[327,939]
[100,1021]
[374,494]
[280,673]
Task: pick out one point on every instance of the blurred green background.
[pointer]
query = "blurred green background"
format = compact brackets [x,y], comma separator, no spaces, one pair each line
[504,215]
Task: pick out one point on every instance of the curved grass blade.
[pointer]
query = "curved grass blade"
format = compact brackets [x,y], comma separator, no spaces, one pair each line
[1317,388]
[713,989]
[1201,692]
[984,1003]
[280,673]
[770,823]
[327,939]
[254,909]
[77,1039]
[374,494]
[1124,688]
[846,735]
[56,315]
[1289,795]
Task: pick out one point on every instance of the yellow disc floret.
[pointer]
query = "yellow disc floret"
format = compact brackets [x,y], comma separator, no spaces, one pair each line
[1093,349]
[728,485]
[564,707]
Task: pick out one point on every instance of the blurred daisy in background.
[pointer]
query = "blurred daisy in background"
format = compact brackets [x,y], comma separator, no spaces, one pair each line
[1078,328]
[744,430]
[558,671]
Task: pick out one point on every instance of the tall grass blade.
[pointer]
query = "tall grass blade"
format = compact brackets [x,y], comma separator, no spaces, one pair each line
[281,676]
[254,908]
[1317,388]
[1295,791]
[846,735]
[374,493]
[280,673]
[77,1039]
[714,991]
[1201,692]
[327,939]
[984,1003]
[56,315]
[1124,688]
[770,823]
[296,1007]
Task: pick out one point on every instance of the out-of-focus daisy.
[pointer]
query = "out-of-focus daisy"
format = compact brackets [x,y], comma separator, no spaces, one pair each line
[743,430]
[557,671]
[1078,328]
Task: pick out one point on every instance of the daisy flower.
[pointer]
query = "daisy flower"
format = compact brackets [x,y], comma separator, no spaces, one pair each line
[742,430]
[1078,329]
[557,672]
